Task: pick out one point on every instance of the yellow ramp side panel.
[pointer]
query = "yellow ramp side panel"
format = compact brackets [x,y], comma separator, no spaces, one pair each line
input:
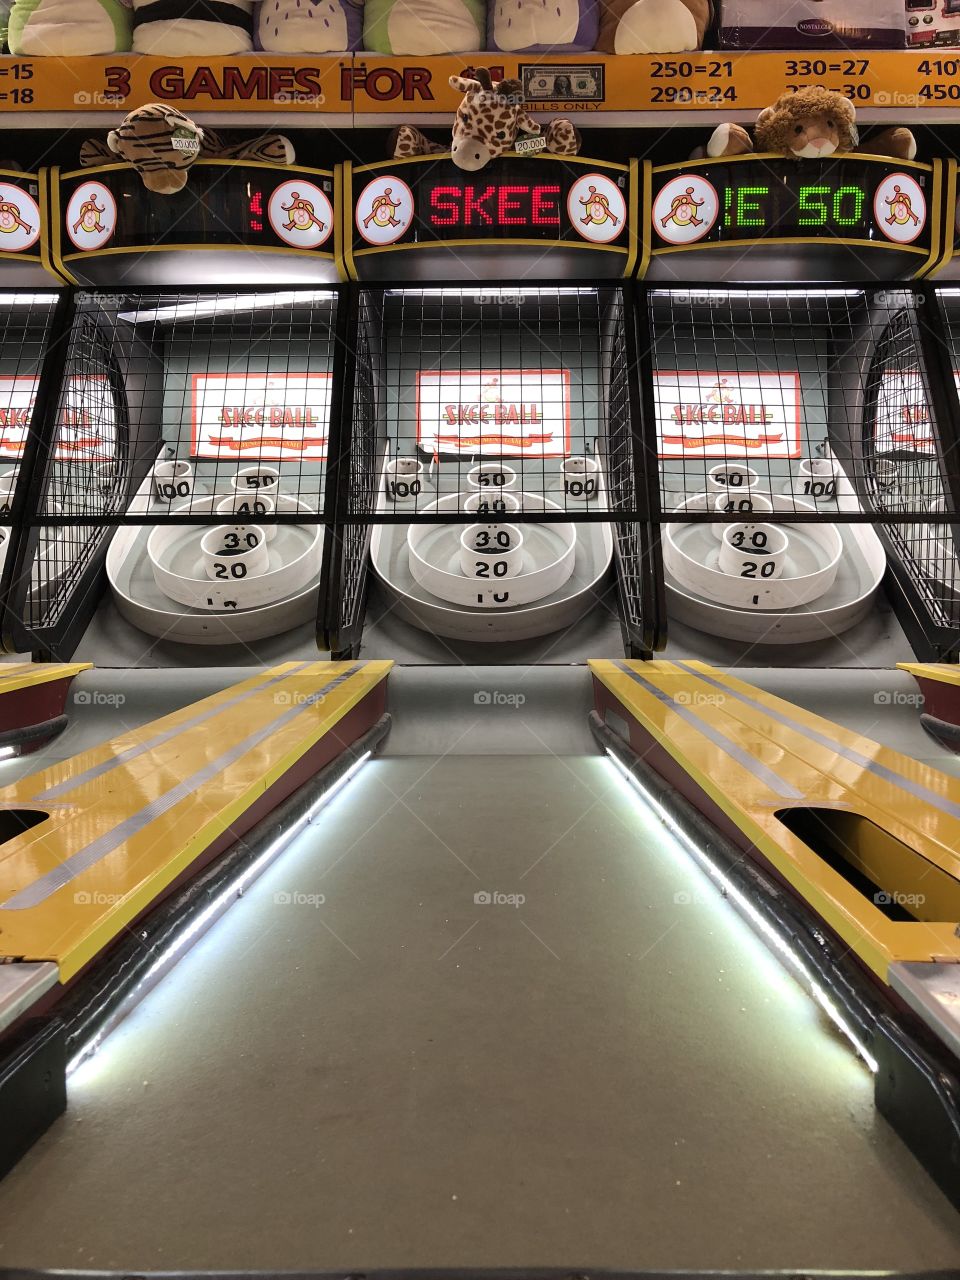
[889,818]
[942,672]
[25,675]
[126,818]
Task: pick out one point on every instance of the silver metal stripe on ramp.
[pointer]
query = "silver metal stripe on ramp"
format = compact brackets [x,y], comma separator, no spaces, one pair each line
[916,789]
[91,854]
[756,767]
[98,770]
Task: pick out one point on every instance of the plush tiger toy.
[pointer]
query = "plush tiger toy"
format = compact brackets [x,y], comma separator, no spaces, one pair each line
[162,143]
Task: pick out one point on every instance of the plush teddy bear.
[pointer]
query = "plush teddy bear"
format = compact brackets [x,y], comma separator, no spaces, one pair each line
[652,26]
[67,28]
[162,144]
[181,28]
[486,125]
[809,124]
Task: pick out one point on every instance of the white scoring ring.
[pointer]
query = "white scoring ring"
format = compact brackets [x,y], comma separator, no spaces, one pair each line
[762,545]
[403,479]
[581,478]
[474,502]
[248,593]
[510,478]
[253,556]
[525,588]
[271,475]
[813,471]
[750,481]
[738,593]
[177,475]
[758,504]
[229,506]
[473,557]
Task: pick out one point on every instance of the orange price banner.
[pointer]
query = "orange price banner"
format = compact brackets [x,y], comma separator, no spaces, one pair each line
[254,83]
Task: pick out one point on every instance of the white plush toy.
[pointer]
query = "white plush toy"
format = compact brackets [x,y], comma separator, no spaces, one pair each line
[175,28]
[65,28]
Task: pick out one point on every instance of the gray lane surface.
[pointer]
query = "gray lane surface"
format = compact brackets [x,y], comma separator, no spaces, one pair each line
[613,1073]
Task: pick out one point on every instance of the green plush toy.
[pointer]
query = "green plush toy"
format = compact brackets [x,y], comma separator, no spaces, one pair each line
[420,27]
[69,28]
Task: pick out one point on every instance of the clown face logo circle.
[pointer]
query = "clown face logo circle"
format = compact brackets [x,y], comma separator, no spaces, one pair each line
[900,208]
[685,209]
[19,219]
[301,214]
[91,216]
[596,208]
[384,210]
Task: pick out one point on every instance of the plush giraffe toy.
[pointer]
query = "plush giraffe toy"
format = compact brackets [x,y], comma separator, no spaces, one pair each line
[487,123]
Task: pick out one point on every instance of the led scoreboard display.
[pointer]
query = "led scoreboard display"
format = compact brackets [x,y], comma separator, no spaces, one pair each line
[429,205]
[283,211]
[492,208]
[850,201]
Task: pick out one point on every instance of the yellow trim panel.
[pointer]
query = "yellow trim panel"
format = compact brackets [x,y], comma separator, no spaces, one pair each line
[23,675]
[942,672]
[128,817]
[757,756]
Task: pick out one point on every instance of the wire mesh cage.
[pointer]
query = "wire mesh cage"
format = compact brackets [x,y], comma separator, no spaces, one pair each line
[178,413]
[26,324]
[496,412]
[802,411]
[488,448]
[27,335]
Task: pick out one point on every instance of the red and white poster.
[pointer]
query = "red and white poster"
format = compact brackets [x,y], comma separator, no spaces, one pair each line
[263,417]
[721,414]
[88,428]
[494,412]
[903,413]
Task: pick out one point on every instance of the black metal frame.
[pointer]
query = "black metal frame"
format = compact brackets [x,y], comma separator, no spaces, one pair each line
[352,501]
[94,522]
[932,635]
[340,629]
[349,510]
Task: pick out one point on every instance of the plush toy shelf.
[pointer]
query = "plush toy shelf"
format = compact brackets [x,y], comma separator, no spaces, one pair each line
[369,89]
